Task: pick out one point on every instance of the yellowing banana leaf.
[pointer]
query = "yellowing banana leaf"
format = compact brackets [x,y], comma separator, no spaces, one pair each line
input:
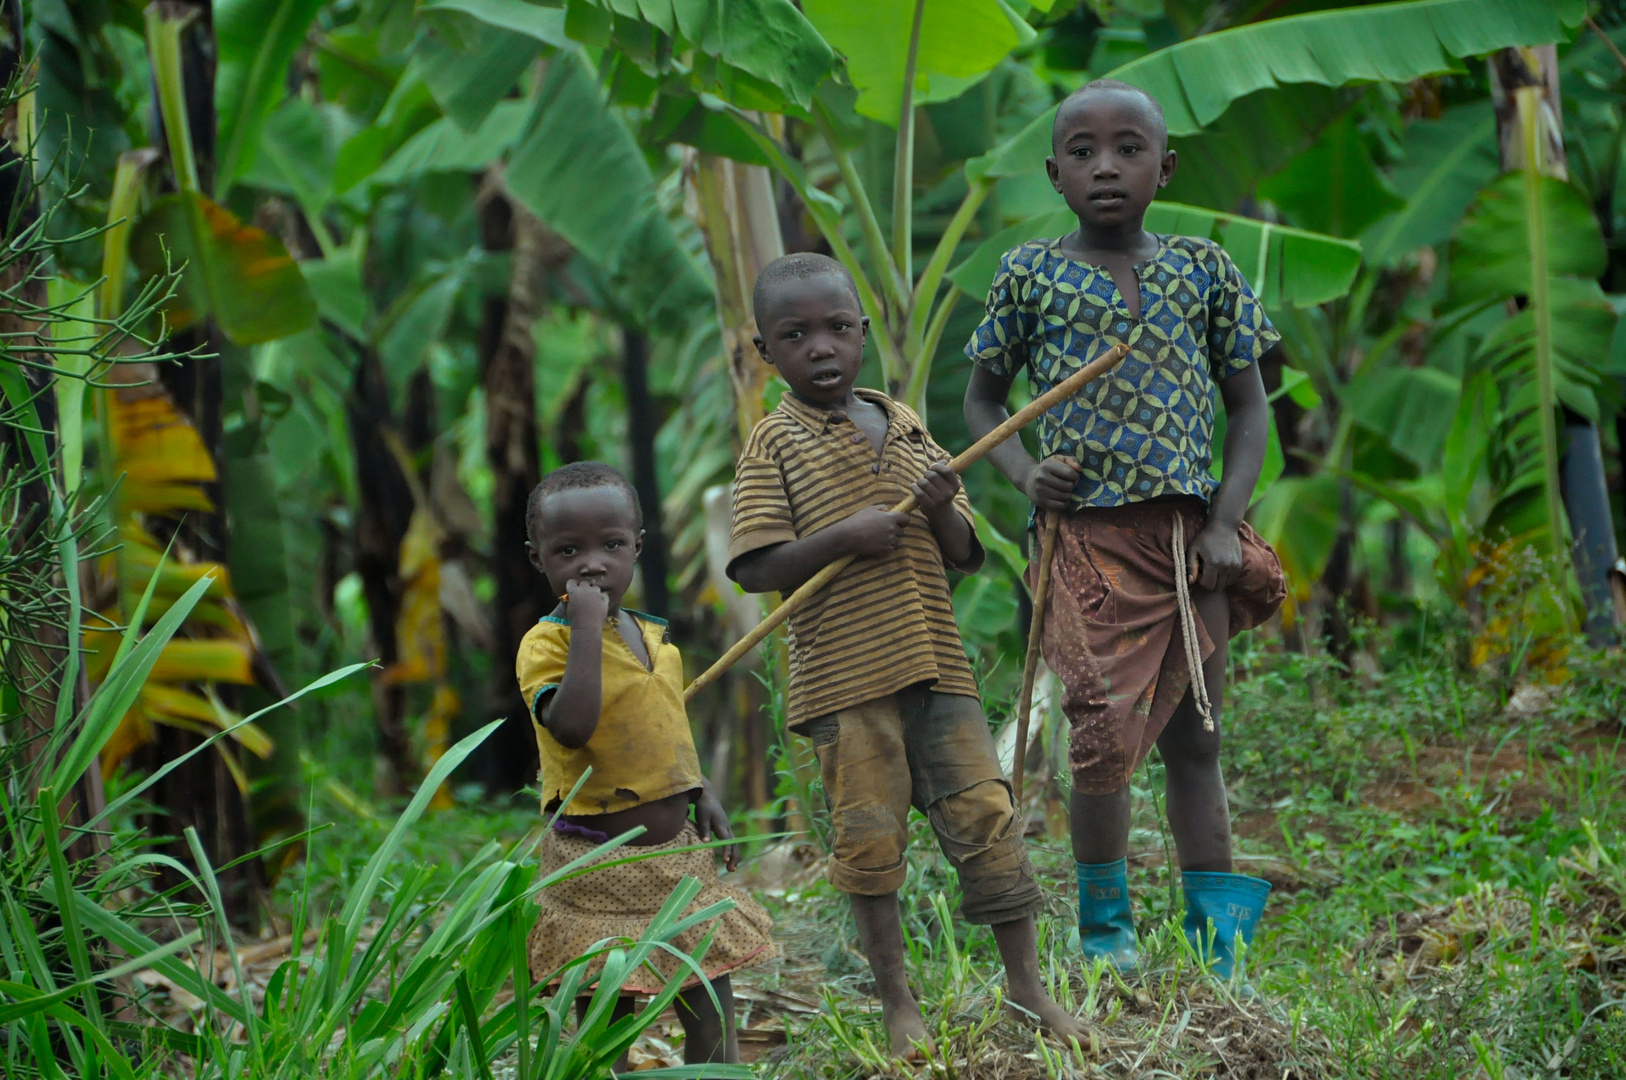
[235,272]
[437,729]
[206,660]
[419,632]
[168,701]
[154,443]
[167,500]
[140,559]
[133,732]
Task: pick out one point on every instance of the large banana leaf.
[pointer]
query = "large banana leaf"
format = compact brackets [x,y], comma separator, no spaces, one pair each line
[1284,265]
[445,147]
[1491,256]
[1197,80]
[256,40]
[1447,162]
[579,169]
[960,42]
[1333,187]
[235,272]
[469,64]
[752,53]
[1258,135]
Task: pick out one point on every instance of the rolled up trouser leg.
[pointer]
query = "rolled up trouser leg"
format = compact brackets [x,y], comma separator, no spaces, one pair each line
[958,784]
[866,784]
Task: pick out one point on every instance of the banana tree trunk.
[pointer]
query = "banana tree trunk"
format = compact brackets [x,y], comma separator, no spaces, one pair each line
[202,793]
[386,512]
[1580,483]
[741,224]
[642,426]
[507,353]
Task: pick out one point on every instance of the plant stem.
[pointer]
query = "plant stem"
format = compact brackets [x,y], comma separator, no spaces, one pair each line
[164,46]
[903,171]
[893,283]
[915,398]
[932,276]
[1541,311]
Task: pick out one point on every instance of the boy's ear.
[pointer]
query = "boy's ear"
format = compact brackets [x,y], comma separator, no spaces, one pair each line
[1165,171]
[534,555]
[762,348]
[1052,171]
[638,544]
[863,325]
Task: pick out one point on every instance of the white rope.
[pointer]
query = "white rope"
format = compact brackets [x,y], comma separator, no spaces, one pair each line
[1188,625]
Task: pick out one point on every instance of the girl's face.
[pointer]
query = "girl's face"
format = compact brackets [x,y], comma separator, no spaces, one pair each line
[588,535]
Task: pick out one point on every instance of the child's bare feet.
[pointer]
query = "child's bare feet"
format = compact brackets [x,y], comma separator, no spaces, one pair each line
[880,932]
[1052,1017]
[905,1028]
[1018,947]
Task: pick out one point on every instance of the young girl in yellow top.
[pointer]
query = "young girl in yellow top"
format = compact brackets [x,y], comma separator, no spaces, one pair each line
[605,687]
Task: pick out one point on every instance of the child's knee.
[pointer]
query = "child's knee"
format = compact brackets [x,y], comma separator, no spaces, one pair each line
[978,831]
[867,853]
[1189,745]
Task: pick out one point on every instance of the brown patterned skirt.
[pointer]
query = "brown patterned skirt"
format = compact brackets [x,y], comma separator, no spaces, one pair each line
[618,902]
[1112,635]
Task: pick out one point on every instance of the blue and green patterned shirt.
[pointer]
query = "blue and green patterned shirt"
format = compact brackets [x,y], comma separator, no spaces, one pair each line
[1147,429]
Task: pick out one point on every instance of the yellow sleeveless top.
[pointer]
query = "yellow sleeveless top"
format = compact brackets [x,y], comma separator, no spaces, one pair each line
[642,749]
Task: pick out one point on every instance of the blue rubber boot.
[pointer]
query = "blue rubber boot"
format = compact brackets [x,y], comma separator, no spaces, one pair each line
[1105,926]
[1220,908]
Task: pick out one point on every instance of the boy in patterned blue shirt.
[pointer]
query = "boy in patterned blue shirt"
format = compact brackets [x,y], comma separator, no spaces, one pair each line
[1127,462]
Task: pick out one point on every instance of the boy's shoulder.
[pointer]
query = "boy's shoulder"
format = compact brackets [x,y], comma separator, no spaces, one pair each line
[1028,257]
[547,628]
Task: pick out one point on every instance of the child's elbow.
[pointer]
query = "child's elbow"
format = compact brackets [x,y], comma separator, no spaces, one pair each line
[749,574]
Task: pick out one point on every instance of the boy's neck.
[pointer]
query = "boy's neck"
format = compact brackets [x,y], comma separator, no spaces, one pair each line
[1126,238]
[851,401]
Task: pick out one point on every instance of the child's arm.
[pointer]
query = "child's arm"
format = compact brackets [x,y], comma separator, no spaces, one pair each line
[1048,484]
[571,714]
[872,531]
[1215,556]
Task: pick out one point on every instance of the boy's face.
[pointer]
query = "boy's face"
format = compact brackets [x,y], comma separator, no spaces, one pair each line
[1110,157]
[588,535]
[814,335]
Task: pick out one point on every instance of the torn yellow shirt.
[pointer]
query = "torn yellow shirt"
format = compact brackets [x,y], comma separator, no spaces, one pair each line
[642,749]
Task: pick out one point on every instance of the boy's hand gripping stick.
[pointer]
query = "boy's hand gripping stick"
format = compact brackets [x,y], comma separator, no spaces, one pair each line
[979,450]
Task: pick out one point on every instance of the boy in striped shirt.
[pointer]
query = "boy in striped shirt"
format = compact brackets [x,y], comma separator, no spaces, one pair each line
[878,675]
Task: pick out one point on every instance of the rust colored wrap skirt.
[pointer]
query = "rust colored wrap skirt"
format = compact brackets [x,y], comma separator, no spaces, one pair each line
[1112,632]
[618,902]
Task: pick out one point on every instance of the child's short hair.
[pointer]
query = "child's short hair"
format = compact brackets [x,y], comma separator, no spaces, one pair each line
[1125,87]
[797,266]
[578,476]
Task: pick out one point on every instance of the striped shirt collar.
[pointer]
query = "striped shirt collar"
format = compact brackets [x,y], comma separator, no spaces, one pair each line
[899,420]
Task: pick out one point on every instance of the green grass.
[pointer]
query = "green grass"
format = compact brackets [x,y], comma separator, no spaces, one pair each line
[1450,901]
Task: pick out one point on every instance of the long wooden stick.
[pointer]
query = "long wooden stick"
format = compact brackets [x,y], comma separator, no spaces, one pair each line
[1030,668]
[979,450]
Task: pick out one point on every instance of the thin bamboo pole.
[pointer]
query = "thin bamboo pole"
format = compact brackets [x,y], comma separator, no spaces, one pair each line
[1041,599]
[979,450]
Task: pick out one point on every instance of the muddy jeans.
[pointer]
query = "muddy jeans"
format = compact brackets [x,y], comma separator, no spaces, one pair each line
[934,752]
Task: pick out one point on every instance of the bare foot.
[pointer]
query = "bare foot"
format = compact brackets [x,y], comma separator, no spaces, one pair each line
[905,1028]
[1017,947]
[1052,1017]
